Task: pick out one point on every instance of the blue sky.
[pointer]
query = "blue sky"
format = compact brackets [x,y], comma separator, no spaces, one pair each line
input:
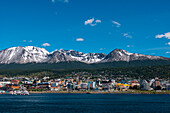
[141,26]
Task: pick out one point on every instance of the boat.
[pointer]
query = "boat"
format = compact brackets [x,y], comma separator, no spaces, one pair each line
[25,92]
[21,91]
[18,92]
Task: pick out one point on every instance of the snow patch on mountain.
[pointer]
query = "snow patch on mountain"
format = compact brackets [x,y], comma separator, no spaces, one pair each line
[31,54]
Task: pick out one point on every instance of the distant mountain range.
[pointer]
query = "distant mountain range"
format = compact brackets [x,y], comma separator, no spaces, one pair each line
[31,54]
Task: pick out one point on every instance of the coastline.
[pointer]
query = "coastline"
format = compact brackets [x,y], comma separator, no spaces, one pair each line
[99,92]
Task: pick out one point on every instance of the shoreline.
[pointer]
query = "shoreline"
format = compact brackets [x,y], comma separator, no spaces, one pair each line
[98,92]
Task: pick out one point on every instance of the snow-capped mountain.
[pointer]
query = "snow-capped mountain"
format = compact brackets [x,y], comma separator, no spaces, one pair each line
[23,55]
[58,56]
[122,55]
[31,54]
[83,57]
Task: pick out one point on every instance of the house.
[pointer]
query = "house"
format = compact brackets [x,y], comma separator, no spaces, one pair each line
[5,79]
[68,79]
[122,86]
[54,86]
[69,87]
[83,86]
[134,84]
[119,85]
[44,85]
[167,86]
[15,82]
[64,88]
[28,86]
[46,78]
[2,91]
[4,83]
[144,85]
[157,84]
[26,81]
[106,85]
[13,86]
[91,85]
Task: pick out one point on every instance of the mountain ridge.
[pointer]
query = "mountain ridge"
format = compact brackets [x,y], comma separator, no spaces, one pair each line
[31,54]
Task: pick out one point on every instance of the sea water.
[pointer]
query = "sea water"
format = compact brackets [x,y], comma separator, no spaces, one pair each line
[122,103]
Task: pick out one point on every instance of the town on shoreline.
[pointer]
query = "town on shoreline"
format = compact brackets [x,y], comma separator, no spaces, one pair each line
[103,92]
[85,84]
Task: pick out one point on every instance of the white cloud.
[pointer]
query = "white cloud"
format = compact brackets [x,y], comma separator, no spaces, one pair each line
[89,21]
[159,36]
[102,49]
[79,39]
[127,35]
[116,23]
[130,45]
[27,41]
[165,35]
[167,52]
[98,21]
[92,22]
[46,44]
[53,0]
[168,43]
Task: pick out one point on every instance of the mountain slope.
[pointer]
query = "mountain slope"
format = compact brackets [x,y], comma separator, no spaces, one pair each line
[23,55]
[83,57]
[58,56]
[81,65]
[31,54]
[122,55]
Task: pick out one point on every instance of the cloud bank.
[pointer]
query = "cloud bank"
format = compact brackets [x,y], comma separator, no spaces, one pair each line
[46,44]
[116,23]
[92,22]
[165,35]
[79,39]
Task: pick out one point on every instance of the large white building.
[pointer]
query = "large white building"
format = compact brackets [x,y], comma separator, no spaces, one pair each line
[4,83]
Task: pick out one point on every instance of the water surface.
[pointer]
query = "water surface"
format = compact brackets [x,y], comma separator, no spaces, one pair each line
[132,103]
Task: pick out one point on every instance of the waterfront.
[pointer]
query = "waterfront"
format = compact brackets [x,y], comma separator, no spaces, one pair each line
[106,92]
[85,103]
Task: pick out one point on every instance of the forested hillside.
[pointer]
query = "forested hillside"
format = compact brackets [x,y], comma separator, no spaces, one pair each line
[134,72]
[80,65]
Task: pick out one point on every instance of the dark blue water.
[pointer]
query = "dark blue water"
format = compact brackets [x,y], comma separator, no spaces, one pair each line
[122,103]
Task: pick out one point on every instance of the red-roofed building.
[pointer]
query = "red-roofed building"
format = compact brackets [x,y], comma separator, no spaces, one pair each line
[15,82]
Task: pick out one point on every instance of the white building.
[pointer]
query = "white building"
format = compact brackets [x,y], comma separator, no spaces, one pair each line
[4,83]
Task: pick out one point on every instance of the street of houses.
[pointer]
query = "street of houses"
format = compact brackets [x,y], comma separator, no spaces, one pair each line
[80,83]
